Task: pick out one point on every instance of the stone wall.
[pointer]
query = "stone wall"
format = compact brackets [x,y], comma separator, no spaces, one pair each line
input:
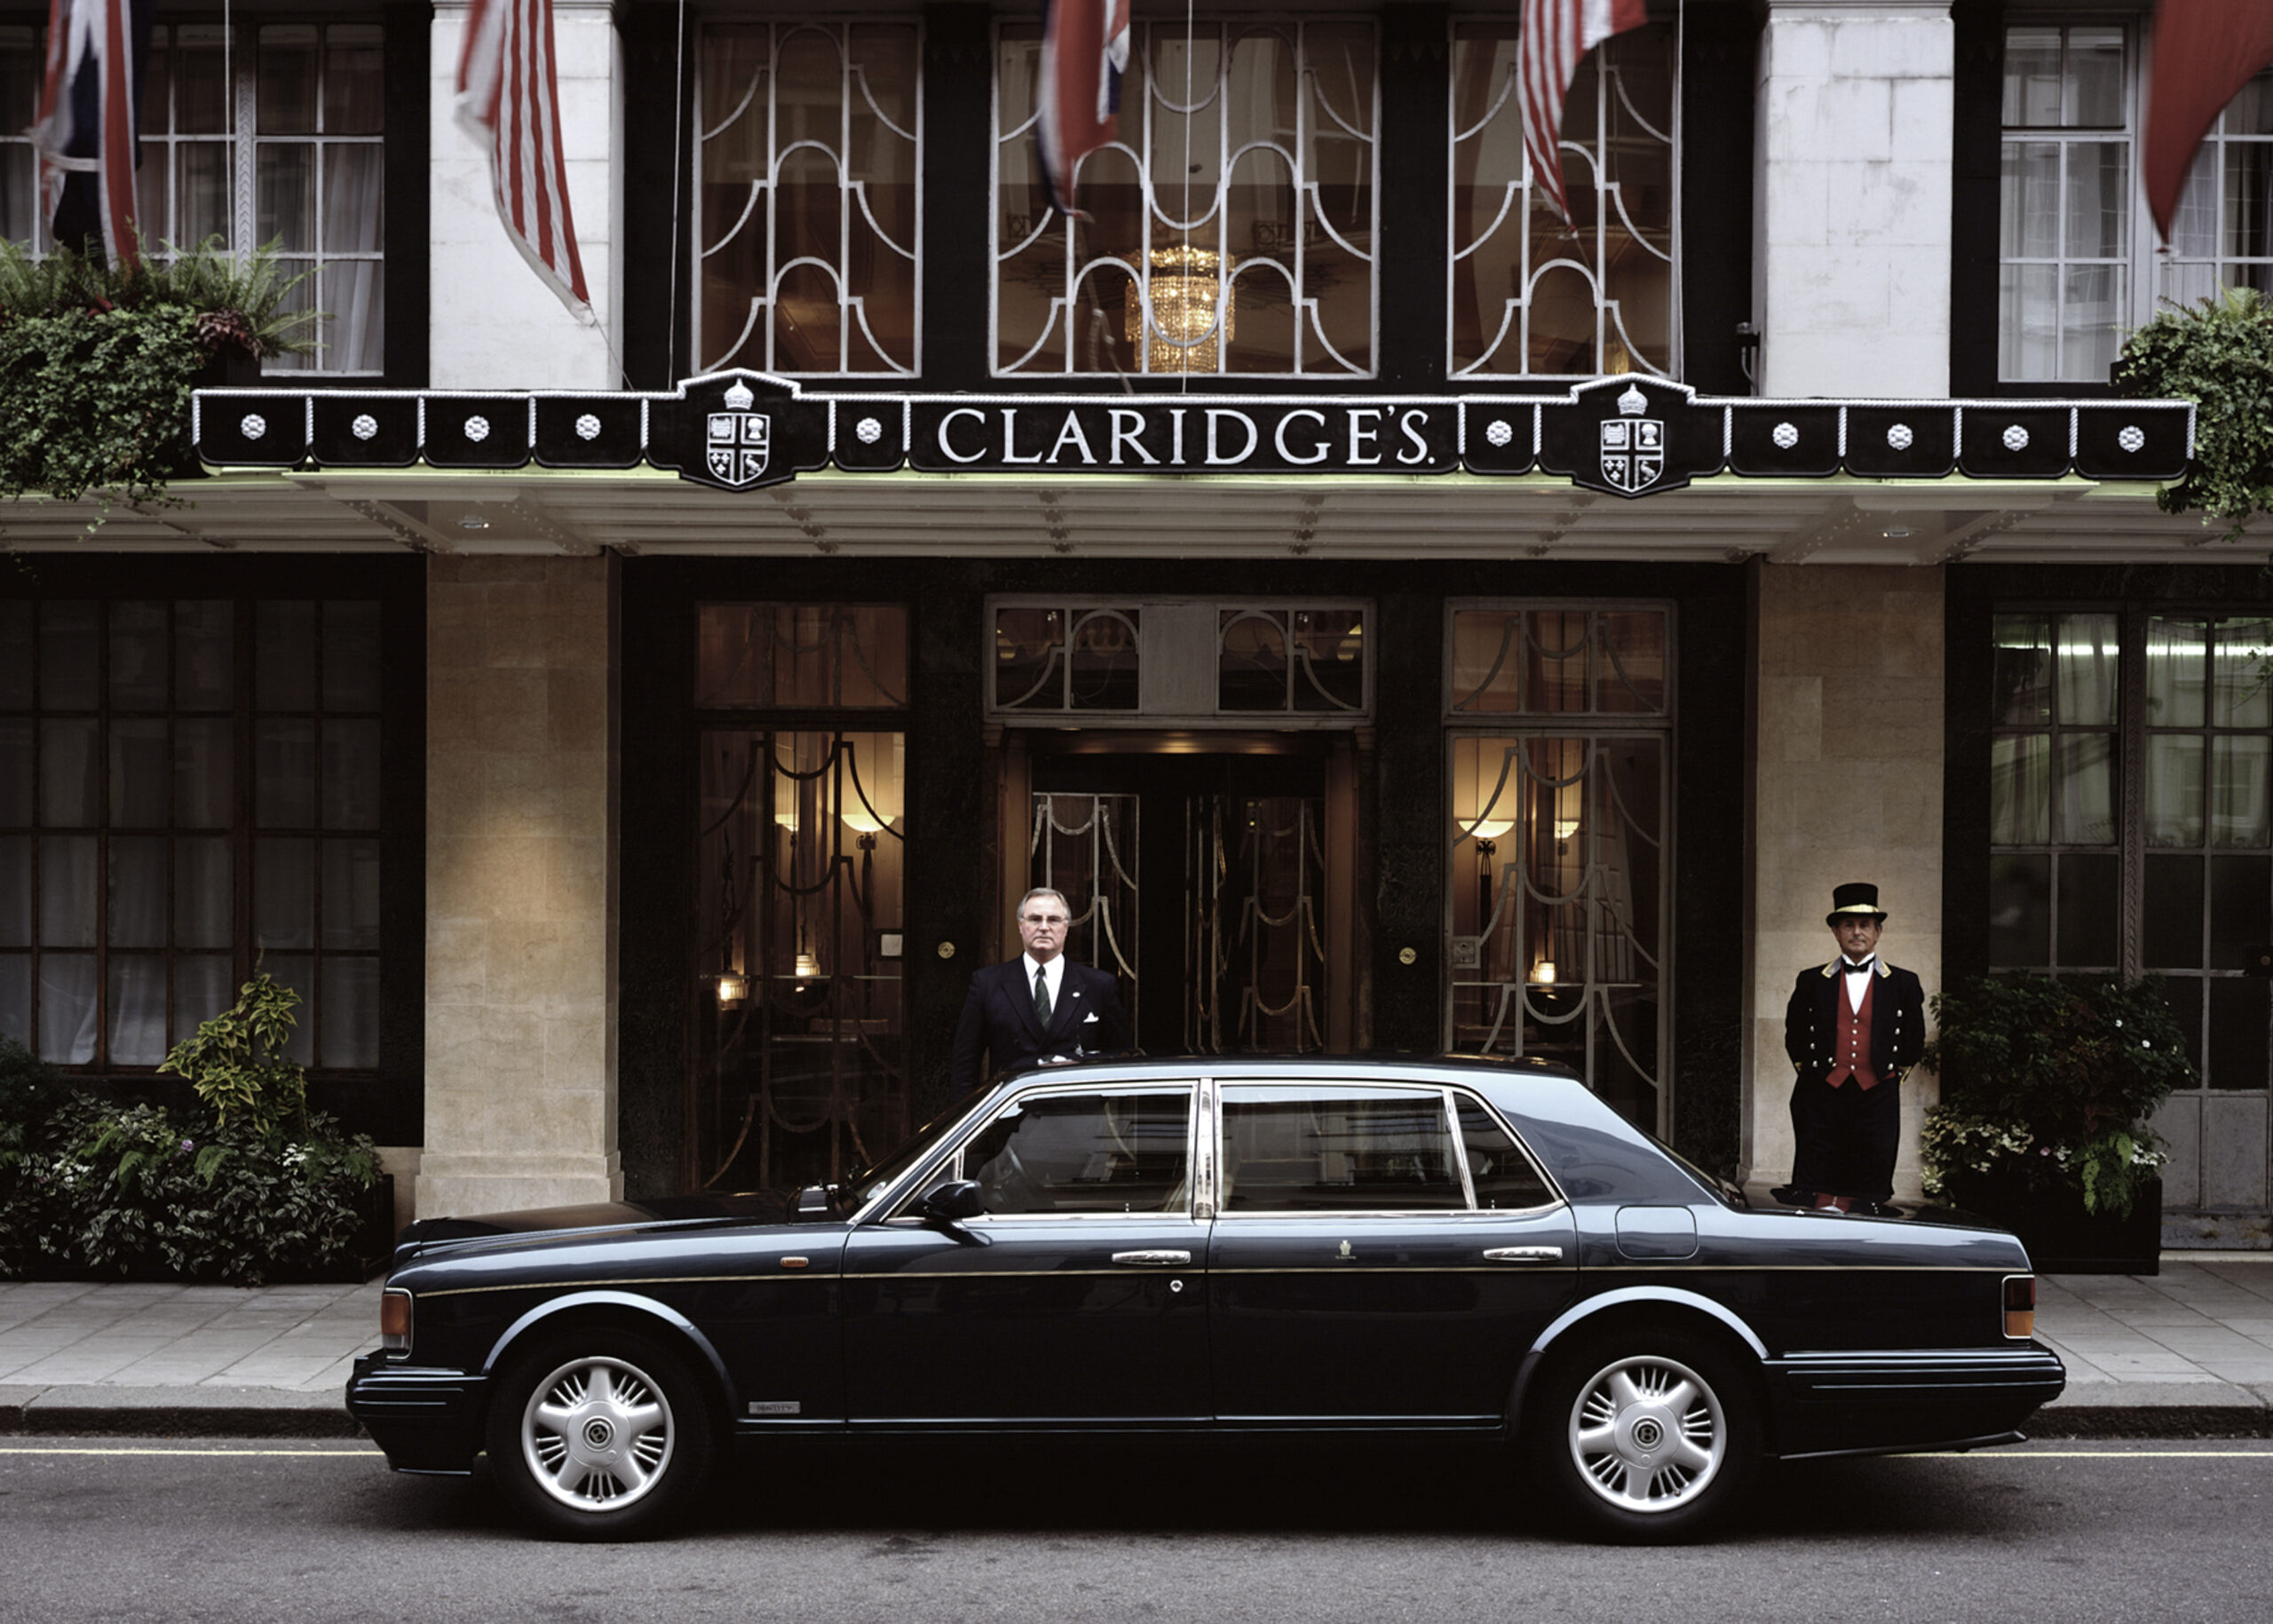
[521,741]
[1848,785]
[1852,232]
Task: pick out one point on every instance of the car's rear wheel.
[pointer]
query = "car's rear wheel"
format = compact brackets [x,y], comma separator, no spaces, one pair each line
[1645,1435]
[599,1434]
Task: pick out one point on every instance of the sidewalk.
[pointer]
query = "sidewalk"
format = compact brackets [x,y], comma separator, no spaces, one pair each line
[2188,1352]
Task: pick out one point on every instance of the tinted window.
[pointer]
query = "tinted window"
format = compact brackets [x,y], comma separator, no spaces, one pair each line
[1503,1176]
[1085,1153]
[1327,1149]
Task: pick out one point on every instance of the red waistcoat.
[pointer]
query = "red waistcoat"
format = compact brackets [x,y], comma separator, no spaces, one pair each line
[1851,1054]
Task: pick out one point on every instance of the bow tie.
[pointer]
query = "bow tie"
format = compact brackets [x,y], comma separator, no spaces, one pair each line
[1863,968]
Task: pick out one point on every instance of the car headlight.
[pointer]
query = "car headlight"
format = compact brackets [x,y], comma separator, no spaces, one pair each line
[394,1322]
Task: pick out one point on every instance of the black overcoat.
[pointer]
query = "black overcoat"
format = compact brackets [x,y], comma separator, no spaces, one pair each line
[998,1017]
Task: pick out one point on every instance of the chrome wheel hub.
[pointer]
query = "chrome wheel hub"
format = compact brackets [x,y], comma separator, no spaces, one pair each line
[1647,1434]
[596,1434]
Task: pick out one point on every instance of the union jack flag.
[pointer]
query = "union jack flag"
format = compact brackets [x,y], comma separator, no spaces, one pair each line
[90,126]
[509,98]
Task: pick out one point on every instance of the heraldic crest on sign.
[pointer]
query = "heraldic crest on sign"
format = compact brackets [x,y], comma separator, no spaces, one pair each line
[1632,446]
[737,440]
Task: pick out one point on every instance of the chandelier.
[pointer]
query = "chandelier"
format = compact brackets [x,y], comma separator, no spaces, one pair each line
[1185,281]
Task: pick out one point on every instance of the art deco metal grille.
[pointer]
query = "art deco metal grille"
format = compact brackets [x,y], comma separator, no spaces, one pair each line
[808,153]
[1230,229]
[1532,295]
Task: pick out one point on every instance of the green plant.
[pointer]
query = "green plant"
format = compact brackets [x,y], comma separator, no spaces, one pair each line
[2049,1081]
[97,365]
[236,1061]
[31,1092]
[2218,353]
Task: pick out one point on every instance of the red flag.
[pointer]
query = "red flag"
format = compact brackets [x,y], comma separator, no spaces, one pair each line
[1555,34]
[1084,49]
[2205,51]
[510,100]
[90,119]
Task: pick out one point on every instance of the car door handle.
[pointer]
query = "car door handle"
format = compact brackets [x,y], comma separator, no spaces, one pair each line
[1154,1260]
[1523,1254]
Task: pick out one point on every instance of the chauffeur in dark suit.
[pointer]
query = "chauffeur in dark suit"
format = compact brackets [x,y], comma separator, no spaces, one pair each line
[1852,1027]
[1039,1003]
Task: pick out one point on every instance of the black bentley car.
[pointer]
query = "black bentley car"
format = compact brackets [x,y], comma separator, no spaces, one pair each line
[1219,1246]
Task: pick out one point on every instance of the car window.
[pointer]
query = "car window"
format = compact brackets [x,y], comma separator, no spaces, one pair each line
[1319,1148]
[1126,1151]
[1504,1176]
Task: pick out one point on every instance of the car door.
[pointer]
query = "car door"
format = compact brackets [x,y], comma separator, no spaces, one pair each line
[1382,1254]
[1079,1297]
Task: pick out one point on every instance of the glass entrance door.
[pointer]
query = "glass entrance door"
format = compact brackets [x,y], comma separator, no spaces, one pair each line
[1201,882]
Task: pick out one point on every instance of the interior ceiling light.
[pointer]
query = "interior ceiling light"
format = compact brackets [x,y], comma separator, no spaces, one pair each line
[1185,281]
[473,521]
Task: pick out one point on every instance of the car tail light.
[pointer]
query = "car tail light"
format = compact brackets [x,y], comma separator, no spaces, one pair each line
[394,1320]
[2020,1306]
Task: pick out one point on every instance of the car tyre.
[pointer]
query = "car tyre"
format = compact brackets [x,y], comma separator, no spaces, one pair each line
[600,1434]
[1645,1436]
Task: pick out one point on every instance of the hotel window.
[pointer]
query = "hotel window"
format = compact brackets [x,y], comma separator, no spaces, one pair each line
[189,791]
[277,136]
[1557,854]
[2167,870]
[809,147]
[1232,227]
[1530,294]
[2080,265]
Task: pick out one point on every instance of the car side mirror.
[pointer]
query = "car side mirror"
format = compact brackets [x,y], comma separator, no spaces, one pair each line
[814,1204]
[952,1203]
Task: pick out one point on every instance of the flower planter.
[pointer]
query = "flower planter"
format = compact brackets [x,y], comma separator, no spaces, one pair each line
[2061,1237]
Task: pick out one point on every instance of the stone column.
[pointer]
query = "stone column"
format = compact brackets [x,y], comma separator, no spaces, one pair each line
[521,755]
[1848,785]
[493,323]
[1851,233]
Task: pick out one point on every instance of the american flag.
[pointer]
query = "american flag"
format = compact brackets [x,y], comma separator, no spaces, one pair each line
[89,122]
[1555,34]
[1084,49]
[510,100]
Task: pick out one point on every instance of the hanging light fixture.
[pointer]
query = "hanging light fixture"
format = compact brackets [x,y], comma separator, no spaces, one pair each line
[1185,281]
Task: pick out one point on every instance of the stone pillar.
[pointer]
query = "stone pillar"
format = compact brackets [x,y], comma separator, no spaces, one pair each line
[493,324]
[1851,262]
[521,753]
[1848,785]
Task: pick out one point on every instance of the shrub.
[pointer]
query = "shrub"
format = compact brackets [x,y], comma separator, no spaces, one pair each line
[2049,1081]
[2218,353]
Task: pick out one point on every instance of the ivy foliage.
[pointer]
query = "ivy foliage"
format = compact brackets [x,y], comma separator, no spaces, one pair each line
[2218,353]
[2050,1082]
[236,1061]
[97,365]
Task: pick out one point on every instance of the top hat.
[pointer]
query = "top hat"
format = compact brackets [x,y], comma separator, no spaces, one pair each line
[1857,897]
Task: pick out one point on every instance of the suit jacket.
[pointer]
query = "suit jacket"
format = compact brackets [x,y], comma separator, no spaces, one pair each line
[998,1017]
[1897,1021]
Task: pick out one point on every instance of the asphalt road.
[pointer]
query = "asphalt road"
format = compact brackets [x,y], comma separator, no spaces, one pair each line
[106,1528]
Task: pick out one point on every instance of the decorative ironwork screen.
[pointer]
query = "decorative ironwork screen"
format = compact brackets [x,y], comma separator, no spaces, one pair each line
[1255,879]
[1230,230]
[808,152]
[1557,864]
[1532,295]
[1084,847]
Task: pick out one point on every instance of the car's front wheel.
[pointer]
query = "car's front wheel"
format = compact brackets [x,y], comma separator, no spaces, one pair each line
[599,1434]
[1645,1435]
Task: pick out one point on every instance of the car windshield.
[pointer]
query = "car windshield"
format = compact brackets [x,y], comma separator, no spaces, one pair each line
[863,1187]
